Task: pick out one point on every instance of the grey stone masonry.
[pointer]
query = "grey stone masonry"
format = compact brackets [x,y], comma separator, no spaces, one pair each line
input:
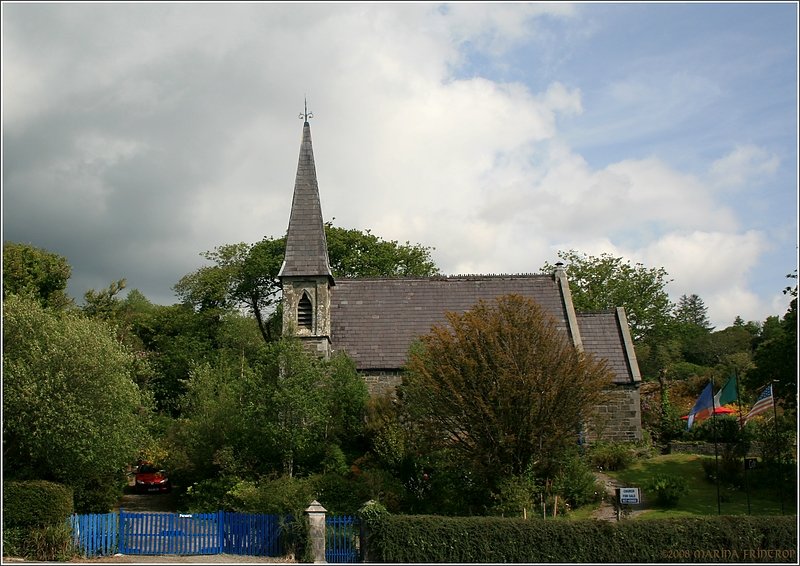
[318,291]
[619,418]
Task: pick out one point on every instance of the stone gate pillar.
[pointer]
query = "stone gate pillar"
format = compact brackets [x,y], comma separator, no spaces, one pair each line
[316,531]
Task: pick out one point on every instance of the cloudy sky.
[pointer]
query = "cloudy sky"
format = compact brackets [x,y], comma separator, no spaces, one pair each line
[136,136]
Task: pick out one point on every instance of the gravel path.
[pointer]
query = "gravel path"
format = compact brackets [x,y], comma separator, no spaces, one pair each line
[606,511]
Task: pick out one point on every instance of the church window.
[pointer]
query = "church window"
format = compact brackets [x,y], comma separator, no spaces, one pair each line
[304,312]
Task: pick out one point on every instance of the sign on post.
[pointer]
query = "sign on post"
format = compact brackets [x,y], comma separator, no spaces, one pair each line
[629,495]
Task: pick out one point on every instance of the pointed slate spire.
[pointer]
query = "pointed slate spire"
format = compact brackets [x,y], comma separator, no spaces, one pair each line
[306,246]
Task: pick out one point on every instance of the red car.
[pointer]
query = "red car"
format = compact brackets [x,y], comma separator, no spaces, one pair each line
[150,479]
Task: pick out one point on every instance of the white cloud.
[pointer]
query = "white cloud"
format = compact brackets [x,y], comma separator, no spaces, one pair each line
[170,128]
[714,265]
[745,164]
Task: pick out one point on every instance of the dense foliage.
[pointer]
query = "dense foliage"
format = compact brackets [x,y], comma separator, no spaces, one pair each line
[35,503]
[35,515]
[246,421]
[37,273]
[71,410]
[501,390]
[464,540]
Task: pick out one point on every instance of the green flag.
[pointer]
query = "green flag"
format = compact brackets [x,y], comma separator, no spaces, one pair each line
[727,394]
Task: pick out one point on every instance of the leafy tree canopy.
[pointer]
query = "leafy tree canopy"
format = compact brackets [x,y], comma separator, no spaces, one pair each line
[776,357]
[246,276]
[502,387]
[281,414]
[28,270]
[604,282]
[71,410]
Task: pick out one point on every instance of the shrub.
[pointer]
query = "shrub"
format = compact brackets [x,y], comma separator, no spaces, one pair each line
[435,539]
[49,543]
[35,503]
[35,515]
[338,493]
[727,469]
[276,496]
[576,483]
[611,456]
[211,494]
[98,493]
[515,494]
[668,489]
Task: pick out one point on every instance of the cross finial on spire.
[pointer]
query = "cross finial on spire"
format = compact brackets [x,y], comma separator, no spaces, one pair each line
[306,115]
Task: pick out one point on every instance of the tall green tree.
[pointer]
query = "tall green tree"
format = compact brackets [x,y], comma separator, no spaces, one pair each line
[605,281]
[71,410]
[356,253]
[776,357]
[502,388]
[38,273]
[280,414]
[691,310]
[246,276]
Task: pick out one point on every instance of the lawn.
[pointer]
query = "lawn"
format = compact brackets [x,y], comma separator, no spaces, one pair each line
[701,498]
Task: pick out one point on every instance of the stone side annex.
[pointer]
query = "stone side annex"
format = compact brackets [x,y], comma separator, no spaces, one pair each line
[375,320]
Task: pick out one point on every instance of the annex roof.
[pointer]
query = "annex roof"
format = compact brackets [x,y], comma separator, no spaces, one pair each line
[604,336]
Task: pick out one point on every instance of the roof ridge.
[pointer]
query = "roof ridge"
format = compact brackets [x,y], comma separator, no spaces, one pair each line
[441,277]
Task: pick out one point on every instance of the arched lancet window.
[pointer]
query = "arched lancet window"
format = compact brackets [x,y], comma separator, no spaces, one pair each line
[305,312]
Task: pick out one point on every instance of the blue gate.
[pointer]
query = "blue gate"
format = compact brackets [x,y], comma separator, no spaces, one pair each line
[170,533]
[342,539]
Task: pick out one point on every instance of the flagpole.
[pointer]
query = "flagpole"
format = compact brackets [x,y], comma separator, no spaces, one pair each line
[714,428]
[741,436]
[778,445]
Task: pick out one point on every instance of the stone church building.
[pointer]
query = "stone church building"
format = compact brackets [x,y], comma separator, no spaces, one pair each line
[375,320]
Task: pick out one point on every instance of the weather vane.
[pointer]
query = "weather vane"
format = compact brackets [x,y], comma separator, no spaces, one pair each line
[306,115]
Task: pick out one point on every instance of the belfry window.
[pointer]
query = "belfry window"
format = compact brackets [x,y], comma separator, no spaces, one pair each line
[305,312]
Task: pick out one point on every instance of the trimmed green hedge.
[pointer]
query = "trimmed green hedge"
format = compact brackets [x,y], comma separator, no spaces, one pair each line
[35,515]
[36,503]
[425,538]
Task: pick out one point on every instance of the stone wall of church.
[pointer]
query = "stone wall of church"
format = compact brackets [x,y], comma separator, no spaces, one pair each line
[380,383]
[619,418]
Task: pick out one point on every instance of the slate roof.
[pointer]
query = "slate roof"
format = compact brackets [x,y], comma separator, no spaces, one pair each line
[603,336]
[376,320]
[306,246]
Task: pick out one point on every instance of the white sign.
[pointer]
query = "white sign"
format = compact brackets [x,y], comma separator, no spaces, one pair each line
[629,495]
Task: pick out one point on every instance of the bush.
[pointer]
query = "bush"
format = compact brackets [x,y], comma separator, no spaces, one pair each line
[211,494]
[49,543]
[610,456]
[35,503]
[668,489]
[339,494]
[35,515]
[576,483]
[98,493]
[435,539]
[515,494]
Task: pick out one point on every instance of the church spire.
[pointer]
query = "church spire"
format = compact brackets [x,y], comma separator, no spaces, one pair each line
[306,246]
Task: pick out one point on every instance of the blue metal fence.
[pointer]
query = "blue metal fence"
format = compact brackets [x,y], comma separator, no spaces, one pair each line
[95,535]
[252,535]
[342,539]
[177,533]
